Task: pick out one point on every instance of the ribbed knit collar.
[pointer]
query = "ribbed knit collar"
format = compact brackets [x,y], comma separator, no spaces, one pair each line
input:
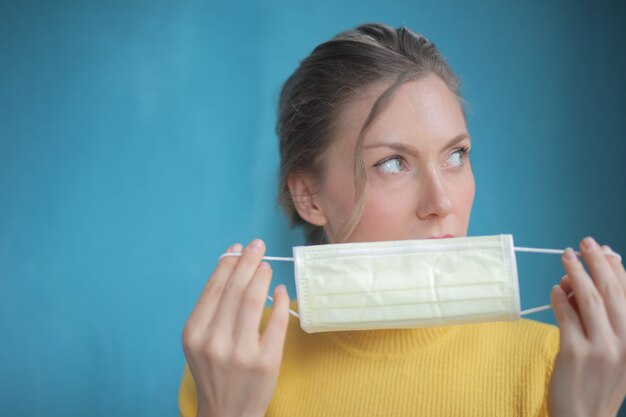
[387,342]
[390,342]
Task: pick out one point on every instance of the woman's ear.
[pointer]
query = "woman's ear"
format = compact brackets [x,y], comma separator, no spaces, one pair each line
[306,202]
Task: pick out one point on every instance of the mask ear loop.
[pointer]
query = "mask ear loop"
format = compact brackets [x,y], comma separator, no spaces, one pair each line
[516,248]
[542,308]
[265,258]
[268,258]
[558,252]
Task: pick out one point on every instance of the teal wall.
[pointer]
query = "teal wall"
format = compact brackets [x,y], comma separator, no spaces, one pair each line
[137,142]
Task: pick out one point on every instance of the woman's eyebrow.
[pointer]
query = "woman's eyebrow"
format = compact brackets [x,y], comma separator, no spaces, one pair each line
[411,150]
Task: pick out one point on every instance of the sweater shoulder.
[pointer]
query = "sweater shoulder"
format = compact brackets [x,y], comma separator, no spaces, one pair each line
[187,400]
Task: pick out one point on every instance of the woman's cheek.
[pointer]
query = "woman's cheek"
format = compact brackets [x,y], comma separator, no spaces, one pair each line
[337,199]
[387,212]
[466,194]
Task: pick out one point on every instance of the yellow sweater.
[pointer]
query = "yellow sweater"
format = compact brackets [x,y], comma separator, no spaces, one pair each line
[490,369]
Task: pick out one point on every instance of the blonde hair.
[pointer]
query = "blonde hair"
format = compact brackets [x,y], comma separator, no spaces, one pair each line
[322,86]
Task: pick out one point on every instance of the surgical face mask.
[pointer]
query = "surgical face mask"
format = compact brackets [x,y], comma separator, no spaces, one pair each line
[407,284]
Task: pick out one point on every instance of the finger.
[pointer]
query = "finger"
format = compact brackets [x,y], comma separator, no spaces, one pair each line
[251,310]
[566,285]
[227,311]
[590,303]
[273,338]
[599,268]
[617,265]
[571,329]
[210,296]
[607,283]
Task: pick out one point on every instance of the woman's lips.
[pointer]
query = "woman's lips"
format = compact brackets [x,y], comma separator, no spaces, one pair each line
[441,237]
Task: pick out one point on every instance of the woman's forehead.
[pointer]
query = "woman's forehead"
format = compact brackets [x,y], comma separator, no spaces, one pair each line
[423,109]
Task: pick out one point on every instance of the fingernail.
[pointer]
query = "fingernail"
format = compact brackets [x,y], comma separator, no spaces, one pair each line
[282,288]
[563,277]
[235,248]
[256,244]
[570,255]
[264,265]
[607,250]
[589,243]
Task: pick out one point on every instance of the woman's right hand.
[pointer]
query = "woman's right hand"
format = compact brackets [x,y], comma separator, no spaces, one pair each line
[235,368]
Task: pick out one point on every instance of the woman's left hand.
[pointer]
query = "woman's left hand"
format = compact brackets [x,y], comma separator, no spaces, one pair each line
[589,376]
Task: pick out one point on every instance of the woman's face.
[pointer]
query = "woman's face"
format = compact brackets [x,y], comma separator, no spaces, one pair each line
[419,182]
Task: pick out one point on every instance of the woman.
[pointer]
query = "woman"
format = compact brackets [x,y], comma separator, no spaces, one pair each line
[374,146]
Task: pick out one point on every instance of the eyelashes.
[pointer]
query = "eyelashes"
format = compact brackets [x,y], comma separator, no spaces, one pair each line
[464,151]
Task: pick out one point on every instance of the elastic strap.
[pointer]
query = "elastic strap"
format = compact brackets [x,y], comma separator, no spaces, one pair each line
[265,258]
[542,308]
[516,248]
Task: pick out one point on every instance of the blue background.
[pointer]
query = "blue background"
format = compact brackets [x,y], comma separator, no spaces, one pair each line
[137,142]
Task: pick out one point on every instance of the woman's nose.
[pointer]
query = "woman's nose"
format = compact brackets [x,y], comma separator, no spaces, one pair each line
[433,198]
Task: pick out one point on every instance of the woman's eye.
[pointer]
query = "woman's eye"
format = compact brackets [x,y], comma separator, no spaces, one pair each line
[457,157]
[392,165]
